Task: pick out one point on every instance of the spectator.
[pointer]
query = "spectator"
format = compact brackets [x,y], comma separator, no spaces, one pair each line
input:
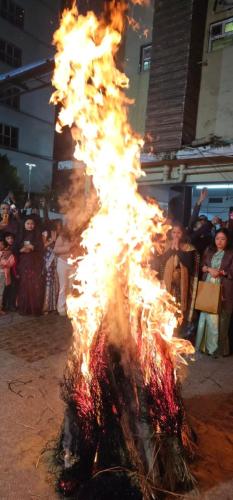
[62,250]
[4,216]
[10,198]
[217,224]
[10,292]
[58,226]
[7,263]
[200,228]
[10,219]
[217,267]
[31,284]
[50,270]
[2,275]
[179,267]
[229,225]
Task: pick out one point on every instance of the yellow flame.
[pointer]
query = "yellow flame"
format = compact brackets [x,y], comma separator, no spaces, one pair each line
[120,237]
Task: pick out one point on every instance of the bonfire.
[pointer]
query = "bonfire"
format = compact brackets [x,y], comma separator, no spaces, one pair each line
[124,433]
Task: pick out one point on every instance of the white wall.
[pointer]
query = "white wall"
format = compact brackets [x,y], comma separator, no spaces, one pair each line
[35,119]
[215,112]
[139,82]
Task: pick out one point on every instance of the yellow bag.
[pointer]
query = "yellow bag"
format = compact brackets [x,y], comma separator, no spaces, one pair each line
[208,297]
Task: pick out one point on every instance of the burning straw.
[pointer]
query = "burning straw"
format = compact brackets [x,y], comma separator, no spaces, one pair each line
[123,404]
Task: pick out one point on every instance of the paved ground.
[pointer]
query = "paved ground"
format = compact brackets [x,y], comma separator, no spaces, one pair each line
[32,359]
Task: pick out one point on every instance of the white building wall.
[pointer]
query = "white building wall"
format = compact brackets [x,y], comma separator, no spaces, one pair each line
[139,81]
[35,119]
[215,111]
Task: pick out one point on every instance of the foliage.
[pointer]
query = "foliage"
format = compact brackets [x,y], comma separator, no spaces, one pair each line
[9,179]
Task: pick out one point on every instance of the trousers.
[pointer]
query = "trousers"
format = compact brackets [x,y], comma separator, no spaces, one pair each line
[63,271]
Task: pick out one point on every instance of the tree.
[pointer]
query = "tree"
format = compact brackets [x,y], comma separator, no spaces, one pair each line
[9,179]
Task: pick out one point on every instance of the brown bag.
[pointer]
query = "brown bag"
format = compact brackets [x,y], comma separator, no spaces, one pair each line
[208,297]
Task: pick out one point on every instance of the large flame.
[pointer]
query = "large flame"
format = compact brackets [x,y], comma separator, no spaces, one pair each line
[121,236]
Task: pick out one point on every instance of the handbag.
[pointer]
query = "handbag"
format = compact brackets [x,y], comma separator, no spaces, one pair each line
[208,297]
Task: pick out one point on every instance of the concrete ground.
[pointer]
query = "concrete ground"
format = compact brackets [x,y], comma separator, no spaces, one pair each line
[33,353]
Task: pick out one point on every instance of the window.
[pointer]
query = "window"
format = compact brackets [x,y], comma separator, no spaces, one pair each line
[9,136]
[145,57]
[215,200]
[221,34]
[12,12]
[221,5]
[11,98]
[10,54]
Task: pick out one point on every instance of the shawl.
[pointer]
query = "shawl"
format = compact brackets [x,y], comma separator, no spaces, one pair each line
[188,283]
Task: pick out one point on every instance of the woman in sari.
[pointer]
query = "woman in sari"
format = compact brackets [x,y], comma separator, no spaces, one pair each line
[178,268]
[29,246]
[49,236]
[217,267]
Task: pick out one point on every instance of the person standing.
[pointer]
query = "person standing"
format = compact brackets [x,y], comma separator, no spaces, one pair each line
[62,250]
[7,261]
[10,291]
[200,228]
[29,246]
[4,216]
[217,267]
[50,270]
[178,268]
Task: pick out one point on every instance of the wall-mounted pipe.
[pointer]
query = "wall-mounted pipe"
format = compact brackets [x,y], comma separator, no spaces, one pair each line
[155,170]
[183,171]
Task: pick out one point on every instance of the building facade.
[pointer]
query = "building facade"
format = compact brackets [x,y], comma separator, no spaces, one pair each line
[26,118]
[178,60]
[182,86]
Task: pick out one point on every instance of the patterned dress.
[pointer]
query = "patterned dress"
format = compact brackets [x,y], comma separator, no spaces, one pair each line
[212,332]
[51,280]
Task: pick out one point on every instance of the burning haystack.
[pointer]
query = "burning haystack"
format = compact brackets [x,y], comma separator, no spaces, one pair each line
[124,434]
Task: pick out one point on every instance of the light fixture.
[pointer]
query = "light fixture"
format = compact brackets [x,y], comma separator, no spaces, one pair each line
[30,167]
[215,186]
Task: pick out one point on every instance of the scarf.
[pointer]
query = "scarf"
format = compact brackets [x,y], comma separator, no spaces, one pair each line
[170,270]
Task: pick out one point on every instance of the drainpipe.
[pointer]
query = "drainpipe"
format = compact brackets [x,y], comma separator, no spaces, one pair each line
[166,173]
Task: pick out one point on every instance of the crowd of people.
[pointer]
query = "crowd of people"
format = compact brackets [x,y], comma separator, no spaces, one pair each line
[34,272]
[34,269]
[201,252]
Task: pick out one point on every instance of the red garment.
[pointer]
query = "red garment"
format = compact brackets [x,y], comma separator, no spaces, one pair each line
[7,260]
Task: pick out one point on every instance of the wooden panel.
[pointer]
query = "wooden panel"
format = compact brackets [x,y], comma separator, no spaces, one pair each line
[177,44]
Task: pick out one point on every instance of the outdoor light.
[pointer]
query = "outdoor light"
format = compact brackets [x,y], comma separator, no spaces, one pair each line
[30,167]
[215,186]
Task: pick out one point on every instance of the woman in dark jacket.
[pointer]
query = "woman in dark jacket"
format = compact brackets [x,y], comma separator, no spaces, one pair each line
[217,267]
[178,268]
[29,246]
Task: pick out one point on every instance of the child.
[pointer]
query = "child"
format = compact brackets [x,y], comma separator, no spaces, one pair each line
[10,291]
[7,261]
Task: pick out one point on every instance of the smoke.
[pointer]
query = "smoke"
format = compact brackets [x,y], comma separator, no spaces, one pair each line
[79,204]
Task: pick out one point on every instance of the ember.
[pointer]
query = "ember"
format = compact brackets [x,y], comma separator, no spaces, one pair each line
[124,416]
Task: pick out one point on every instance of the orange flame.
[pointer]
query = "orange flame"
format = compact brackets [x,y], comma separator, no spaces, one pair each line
[120,237]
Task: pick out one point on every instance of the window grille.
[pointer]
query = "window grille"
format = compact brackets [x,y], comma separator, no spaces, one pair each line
[9,136]
[12,12]
[11,98]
